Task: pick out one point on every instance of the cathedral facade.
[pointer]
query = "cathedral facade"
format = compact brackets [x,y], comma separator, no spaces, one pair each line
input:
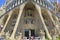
[29,18]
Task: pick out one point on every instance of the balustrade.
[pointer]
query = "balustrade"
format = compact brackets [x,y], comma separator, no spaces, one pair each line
[39,2]
[14,3]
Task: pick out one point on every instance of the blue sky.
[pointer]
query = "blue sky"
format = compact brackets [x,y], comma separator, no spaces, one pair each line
[58,1]
[3,1]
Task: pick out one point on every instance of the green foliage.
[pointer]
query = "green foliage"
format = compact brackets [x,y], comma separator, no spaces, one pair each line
[58,38]
[47,38]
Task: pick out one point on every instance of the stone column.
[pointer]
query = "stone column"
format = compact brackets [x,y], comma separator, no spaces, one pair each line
[17,22]
[42,35]
[19,37]
[39,11]
[10,14]
[7,36]
[29,33]
[53,35]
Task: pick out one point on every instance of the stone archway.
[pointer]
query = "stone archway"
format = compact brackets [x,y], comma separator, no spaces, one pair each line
[31,21]
[29,25]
